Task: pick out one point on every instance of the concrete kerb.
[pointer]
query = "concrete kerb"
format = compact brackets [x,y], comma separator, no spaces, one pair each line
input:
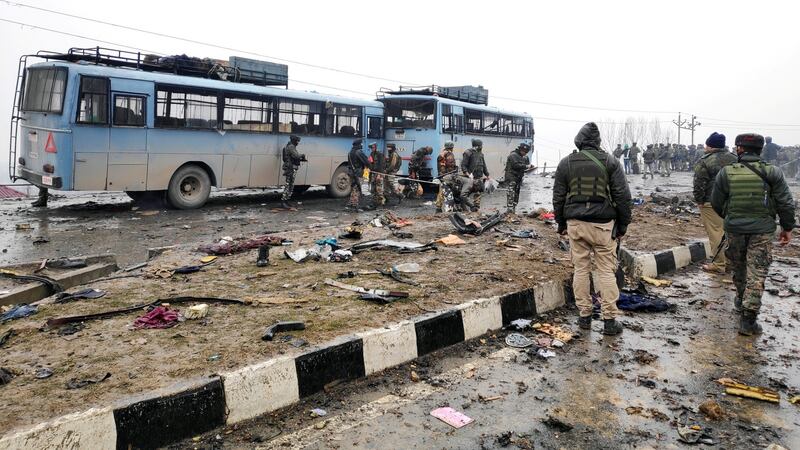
[640,264]
[196,406]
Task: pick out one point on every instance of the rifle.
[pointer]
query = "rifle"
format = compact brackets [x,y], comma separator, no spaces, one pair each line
[719,247]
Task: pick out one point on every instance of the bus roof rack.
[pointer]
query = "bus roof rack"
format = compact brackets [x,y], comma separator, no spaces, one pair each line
[470,94]
[236,69]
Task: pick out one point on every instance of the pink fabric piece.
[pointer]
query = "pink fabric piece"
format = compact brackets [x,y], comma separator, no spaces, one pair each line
[451,417]
[159,317]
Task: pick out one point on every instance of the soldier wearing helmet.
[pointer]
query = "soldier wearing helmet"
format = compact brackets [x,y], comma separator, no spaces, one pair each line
[517,164]
[377,169]
[445,165]
[291,163]
[473,165]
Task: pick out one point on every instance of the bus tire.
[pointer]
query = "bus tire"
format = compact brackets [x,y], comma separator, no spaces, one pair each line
[340,183]
[189,187]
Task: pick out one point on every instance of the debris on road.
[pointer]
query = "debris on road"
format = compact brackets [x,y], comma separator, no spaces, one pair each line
[694,434]
[77,384]
[158,317]
[545,354]
[656,282]
[517,340]
[375,293]
[465,225]
[229,246]
[196,311]
[89,293]
[451,239]
[281,327]
[5,376]
[318,412]
[712,409]
[644,357]
[636,302]
[42,373]
[381,244]
[520,324]
[6,336]
[737,388]
[557,424]
[451,417]
[18,312]
[554,331]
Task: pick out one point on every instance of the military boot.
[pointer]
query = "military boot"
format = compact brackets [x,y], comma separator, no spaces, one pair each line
[737,303]
[611,327]
[41,201]
[748,325]
[585,323]
[263,256]
[285,204]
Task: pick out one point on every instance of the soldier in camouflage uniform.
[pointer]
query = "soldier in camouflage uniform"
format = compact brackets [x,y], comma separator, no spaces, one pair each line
[516,165]
[473,164]
[665,160]
[376,170]
[445,165]
[749,194]
[418,162]
[291,162]
[393,163]
[649,158]
[633,154]
[705,171]
[356,161]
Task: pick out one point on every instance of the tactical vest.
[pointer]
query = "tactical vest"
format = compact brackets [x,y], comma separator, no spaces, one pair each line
[588,179]
[750,196]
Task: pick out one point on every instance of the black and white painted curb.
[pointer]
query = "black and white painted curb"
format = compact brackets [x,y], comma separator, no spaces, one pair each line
[197,406]
[641,264]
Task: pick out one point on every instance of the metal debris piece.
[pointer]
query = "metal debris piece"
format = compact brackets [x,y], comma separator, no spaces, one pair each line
[517,340]
[280,327]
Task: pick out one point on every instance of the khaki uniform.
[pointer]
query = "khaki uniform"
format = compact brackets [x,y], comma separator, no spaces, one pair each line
[586,238]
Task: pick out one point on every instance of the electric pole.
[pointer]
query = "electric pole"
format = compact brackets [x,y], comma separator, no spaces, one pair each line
[682,125]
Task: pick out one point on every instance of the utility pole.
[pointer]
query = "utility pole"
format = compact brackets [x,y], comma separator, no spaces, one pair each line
[682,125]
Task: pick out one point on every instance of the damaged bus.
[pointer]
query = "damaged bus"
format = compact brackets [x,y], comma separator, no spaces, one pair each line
[174,127]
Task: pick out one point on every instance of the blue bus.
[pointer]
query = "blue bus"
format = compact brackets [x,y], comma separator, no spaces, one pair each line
[83,125]
[430,116]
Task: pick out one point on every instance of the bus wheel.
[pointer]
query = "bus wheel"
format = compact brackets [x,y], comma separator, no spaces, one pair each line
[189,188]
[340,183]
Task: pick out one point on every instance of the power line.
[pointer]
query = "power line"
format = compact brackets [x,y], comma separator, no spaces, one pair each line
[751,123]
[74,35]
[596,108]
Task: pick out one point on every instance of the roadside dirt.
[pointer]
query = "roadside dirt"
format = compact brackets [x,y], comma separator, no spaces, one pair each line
[143,360]
[655,228]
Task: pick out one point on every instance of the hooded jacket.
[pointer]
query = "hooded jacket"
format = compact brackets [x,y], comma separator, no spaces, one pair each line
[618,207]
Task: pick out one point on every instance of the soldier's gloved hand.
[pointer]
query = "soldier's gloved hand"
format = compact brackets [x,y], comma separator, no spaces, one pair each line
[784,237]
[621,230]
[562,229]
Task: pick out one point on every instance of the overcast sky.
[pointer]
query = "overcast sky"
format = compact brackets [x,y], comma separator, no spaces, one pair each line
[734,64]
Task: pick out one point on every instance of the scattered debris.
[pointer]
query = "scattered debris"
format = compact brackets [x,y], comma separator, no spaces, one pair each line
[520,324]
[18,312]
[451,417]
[40,240]
[42,373]
[712,409]
[634,410]
[694,434]
[228,246]
[281,327]
[656,282]
[341,256]
[378,293]
[90,293]
[557,424]
[23,227]
[517,340]
[795,400]
[414,376]
[466,225]
[636,302]
[563,245]
[184,270]
[144,264]
[66,263]
[318,412]
[158,317]
[406,268]
[644,357]
[5,376]
[735,387]
[554,331]
[70,329]
[77,384]
[354,231]
[451,239]
[196,311]
[385,243]
[207,259]
[545,354]
[6,336]
[51,284]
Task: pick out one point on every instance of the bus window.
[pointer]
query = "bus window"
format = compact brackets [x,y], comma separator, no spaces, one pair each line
[505,126]
[299,117]
[409,113]
[244,114]
[128,111]
[375,124]
[44,90]
[343,120]
[474,121]
[451,123]
[177,108]
[528,128]
[491,123]
[93,98]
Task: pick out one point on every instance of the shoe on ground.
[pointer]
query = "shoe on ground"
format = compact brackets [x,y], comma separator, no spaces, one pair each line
[611,327]
[585,323]
[711,268]
[748,325]
[39,204]
[286,205]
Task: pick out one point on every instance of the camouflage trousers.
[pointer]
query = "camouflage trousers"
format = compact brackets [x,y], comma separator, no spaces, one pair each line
[512,193]
[355,191]
[650,168]
[376,187]
[288,188]
[749,257]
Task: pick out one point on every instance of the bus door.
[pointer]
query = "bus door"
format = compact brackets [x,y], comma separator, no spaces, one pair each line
[131,107]
[91,133]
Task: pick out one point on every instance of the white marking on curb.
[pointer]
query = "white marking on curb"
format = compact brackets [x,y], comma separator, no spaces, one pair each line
[549,296]
[261,388]
[481,315]
[92,429]
[645,266]
[709,251]
[387,347]
[682,255]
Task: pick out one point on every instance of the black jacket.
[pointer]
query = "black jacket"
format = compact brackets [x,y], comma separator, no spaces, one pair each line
[516,165]
[588,138]
[358,161]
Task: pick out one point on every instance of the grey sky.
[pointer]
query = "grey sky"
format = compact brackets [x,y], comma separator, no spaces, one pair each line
[736,61]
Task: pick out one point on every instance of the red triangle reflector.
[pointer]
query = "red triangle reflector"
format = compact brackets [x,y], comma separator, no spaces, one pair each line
[50,147]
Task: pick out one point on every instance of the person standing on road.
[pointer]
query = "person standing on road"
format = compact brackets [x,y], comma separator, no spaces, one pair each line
[749,194]
[649,158]
[376,171]
[41,201]
[705,172]
[626,159]
[445,165]
[592,205]
[665,160]
[633,154]
[771,151]
[393,163]
[473,165]
[517,165]
[357,161]
[291,162]
[417,164]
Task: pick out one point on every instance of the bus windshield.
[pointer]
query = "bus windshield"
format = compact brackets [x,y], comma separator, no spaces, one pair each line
[409,113]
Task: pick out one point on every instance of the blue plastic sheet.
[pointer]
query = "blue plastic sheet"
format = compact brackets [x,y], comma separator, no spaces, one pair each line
[18,312]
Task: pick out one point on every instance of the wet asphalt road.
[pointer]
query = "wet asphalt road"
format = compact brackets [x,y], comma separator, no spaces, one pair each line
[594,384]
[80,224]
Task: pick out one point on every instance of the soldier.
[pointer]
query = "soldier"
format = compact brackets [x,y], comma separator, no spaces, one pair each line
[516,165]
[376,170]
[41,201]
[473,165]
[749,194]
[445,165]
[649,158]
[418,162]
[705,171]
[592,205]
[618,151]
[393,163]
[626,159]
[291,162]
[771,151]
[357,161]
[633,154]
[665,160]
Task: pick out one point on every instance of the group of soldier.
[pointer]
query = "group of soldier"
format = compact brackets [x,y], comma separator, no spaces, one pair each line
[739,195]
[658,158]
[459,185]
